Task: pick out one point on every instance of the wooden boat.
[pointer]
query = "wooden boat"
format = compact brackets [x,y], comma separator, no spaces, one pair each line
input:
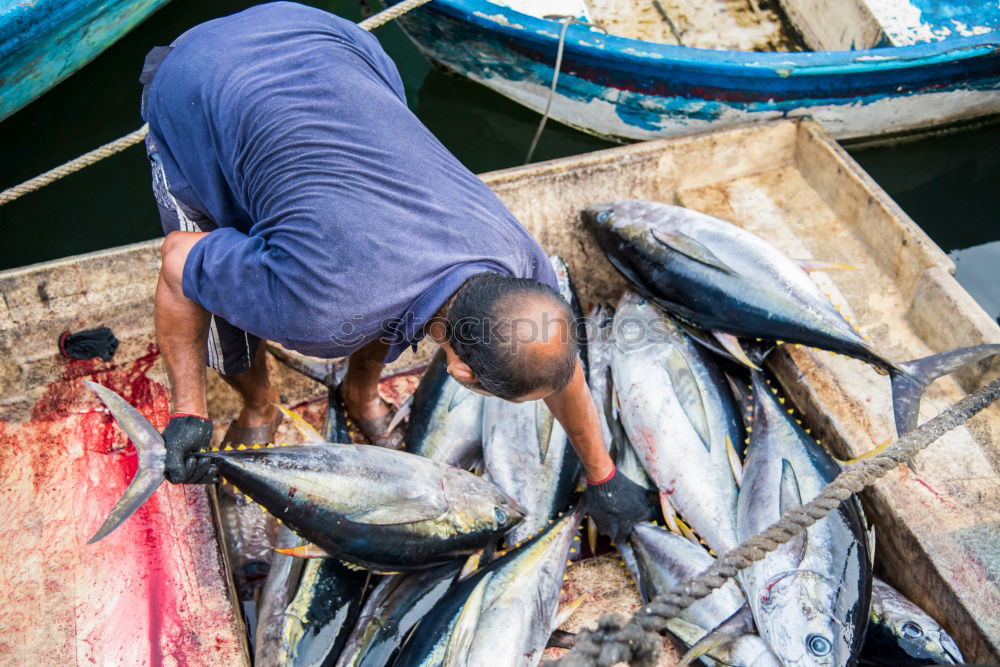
[660,68]
[44,41]
[158,585]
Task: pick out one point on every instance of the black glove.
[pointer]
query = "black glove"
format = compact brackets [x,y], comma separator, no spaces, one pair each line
[184,435]
[88,344]
[616,504]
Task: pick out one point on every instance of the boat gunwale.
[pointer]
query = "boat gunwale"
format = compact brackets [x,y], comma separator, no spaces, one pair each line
[581,39]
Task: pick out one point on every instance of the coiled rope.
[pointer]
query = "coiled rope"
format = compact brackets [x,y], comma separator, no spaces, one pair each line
[132,138]
[637,642]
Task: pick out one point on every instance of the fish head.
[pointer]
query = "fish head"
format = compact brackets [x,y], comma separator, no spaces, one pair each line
[639,324]
[478,504]
[926,643]
[798,620]
[627,221]
[914,631]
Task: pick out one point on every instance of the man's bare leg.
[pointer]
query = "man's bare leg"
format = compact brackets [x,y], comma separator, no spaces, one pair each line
[360,387]
[254,387]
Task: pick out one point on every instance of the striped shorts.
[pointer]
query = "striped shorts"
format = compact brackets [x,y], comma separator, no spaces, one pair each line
[230,349]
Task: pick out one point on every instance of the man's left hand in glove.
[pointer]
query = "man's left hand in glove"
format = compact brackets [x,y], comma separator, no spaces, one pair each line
[616,503]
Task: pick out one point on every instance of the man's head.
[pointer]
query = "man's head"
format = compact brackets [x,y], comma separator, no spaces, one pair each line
[513,338]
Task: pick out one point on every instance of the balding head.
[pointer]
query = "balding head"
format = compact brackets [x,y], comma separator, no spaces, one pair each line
[516,335]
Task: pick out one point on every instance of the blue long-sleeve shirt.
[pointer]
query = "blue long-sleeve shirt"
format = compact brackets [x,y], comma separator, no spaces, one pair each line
[341,218]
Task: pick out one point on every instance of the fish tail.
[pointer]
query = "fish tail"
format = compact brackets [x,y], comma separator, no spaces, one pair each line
[152,454]
[911,378]
[324,372]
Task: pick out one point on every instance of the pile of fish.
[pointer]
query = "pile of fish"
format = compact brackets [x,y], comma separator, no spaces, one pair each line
[454,550]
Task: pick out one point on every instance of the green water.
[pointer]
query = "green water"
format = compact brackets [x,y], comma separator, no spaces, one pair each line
[947,184]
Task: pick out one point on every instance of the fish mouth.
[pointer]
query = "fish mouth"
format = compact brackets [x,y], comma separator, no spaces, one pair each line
[516,510]
[951,649]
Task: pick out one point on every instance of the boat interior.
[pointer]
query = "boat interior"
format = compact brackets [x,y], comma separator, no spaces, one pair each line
[775,25]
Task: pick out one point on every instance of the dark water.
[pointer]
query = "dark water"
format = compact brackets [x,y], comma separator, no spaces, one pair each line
[949,185]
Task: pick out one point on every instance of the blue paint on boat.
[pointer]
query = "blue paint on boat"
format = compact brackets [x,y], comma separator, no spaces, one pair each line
[663,90]
[945,17]
[44,41]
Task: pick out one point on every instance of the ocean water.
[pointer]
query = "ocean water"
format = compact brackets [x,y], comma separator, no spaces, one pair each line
[949,185]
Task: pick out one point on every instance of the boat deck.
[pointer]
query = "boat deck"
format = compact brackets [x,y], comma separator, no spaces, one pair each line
[65,463]
[728,25]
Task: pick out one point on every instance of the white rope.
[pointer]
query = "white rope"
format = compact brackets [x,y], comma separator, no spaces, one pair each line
[131,139]
[567,21]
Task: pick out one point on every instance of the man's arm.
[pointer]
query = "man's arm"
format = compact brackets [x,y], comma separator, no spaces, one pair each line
[575,410]
[181,327]
[612,500]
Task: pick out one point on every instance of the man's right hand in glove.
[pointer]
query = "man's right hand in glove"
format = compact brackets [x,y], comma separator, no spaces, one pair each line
[184,436]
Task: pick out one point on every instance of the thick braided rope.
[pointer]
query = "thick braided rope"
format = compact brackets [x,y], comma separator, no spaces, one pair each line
[636,641]
[390,14]
[131,139]
[85,160]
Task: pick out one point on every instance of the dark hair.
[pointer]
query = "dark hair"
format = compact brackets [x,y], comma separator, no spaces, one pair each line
[481,324]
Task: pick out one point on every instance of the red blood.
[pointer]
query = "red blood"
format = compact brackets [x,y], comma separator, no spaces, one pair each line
[151,589]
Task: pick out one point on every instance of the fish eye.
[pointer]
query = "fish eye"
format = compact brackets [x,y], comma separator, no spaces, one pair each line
[911,630]
[604,215]
[500,515]
[818,645]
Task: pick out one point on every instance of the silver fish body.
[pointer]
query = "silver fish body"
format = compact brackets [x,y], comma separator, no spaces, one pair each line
[901,633]
[810,597]
[528,456]
[446,419]
[599,327]
[660,561]
[279,590]
[392,610]
[504,613]
[679,415]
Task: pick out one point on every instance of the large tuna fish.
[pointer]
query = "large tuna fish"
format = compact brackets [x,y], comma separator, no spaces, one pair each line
[381,509]
[504,613]
[446,419]
[720,277]
[810,597]
[660,561]
[526,451]
[901,634]
[393,609]
[679,415]
[315,625]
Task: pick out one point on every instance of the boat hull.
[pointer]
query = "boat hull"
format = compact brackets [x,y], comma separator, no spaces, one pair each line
[43,42]
[630,90]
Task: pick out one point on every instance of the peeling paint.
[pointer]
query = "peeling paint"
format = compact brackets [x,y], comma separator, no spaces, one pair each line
[627,89]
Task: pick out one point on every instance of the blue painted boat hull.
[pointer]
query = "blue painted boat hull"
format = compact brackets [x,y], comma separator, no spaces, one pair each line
[628,89]
[44,41]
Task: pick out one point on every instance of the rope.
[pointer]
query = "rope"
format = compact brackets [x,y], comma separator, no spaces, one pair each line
[390,14]
[636,641]
[566,21]
[85,160]
[131,139]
